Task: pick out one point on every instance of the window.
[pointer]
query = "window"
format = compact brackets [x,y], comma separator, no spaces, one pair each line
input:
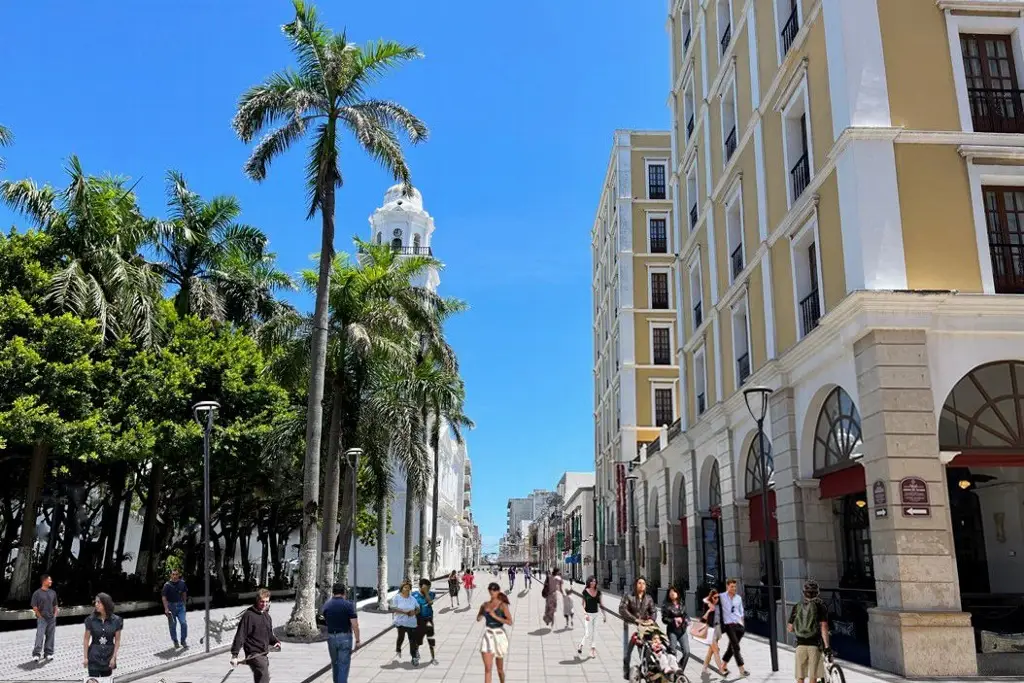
[837,435]
[664,406]
[992,87]
[661,345]
[700,381]
[734,233]
[696,293]
[659,290]
[656,180]
[724,25]
[657,231]
[689,110]
[396,244]
[377,239]
[691,194]
[796,143]
[729,120]
[416,243]
[787,17]
[686,27]
[805,276]
[741,343]
[1004,218]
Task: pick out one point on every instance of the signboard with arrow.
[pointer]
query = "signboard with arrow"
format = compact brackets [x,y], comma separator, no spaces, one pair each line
[914,497]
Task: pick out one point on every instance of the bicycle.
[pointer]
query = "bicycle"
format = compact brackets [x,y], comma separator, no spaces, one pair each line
[833,672]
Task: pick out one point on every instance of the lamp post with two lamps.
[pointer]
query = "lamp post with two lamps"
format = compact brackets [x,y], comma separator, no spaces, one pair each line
[206,408]
[756,399]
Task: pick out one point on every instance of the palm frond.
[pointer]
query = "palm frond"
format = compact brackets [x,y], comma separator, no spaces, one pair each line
[272,146]
[322,168]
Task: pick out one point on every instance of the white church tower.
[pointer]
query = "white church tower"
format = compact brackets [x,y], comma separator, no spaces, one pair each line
[402,222]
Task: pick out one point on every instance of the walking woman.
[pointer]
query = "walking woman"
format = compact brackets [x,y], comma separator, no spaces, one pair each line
[102,637]
[404,606]
[591,606]
[469,583]
[673,614]
[550,592]
[453,588]
[710,637]
[494,646]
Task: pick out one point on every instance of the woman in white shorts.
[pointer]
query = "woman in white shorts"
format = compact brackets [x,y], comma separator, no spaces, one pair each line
[495,614]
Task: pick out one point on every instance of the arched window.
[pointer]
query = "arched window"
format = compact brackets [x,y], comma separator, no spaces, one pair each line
[377,238]
[682,497]
[985,410]
[396,244]
[837,437]
[416,242]
[715,488]
[753,478]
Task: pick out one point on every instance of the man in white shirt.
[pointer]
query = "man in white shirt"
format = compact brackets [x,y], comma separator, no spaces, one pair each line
[732,624]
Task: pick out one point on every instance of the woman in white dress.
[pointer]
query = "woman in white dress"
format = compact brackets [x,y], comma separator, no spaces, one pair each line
[710,637]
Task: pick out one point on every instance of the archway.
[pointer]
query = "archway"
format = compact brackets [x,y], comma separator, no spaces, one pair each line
[681,557]
[713,565]
[760,468]
[982,421]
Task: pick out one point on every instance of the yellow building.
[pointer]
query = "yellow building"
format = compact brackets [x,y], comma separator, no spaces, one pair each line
[848,179]
[636,373]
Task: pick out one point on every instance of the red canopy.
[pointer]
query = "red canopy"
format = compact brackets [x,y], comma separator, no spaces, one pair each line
[843,482]
[757,518]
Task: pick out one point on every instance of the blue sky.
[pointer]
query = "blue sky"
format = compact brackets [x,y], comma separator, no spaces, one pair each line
[521,98]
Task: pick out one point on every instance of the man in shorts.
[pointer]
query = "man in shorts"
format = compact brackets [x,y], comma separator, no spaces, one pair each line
[808,621]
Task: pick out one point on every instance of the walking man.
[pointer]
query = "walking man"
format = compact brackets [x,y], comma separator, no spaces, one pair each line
[342,626]
[255,635]
[528,576]
[174,595]
[732,624]
[44,604]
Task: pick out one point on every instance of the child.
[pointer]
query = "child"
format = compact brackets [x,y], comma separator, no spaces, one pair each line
[567,608]
[666,660]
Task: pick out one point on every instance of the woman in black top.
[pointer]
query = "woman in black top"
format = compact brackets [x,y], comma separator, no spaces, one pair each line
[673,614]
[591,606]
[102,637]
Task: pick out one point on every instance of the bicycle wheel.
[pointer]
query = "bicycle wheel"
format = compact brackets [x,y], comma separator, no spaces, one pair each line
[834,673]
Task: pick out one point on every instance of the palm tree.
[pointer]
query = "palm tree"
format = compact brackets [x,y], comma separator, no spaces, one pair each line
[6,138]
[327,90]
[446,397]
[99,231]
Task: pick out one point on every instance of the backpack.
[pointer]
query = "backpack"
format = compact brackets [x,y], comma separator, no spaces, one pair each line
[805,620]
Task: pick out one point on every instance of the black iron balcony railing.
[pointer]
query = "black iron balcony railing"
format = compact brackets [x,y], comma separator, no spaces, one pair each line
[736,258]
[730,144]
[659,245]
[693,217]
[997,111]
[810,312]
[686,40]
[701,403]
[689,127]
[407,251]
[1007,267]
[698,314]
[726,38]
[790,30]
[800,176]
[743,368]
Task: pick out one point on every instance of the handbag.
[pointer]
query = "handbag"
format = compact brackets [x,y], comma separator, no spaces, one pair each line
[546,590]
[699,630]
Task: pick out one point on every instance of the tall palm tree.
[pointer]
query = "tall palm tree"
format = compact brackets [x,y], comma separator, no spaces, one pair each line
[6,138]
[327,92]
[447,398]
[99,231]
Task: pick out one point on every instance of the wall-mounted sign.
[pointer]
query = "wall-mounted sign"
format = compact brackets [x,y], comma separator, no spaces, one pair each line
[914,497]
[881,499]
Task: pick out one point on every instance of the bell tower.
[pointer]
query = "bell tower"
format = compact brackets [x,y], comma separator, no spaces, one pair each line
[402,222]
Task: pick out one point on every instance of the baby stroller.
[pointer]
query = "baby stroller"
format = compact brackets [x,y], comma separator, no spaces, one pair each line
[649,670]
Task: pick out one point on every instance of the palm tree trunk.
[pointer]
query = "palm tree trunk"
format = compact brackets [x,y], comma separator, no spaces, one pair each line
[410,519]
[382,553]
[332,483]
[303,619]
[346,519]
[435,438]
[424,540]
[21,579]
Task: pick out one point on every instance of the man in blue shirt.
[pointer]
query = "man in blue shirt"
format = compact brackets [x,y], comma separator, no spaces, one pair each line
[342,626]
[732,624]
[174,595]
[425,617]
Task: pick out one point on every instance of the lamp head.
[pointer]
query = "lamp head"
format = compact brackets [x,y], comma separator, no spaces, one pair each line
[756,399]
[202,408]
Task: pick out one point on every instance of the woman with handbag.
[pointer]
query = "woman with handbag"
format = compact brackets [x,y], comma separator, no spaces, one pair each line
[673,615]
[706,631]
[553,587]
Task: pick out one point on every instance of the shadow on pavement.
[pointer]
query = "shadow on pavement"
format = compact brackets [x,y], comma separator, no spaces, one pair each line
[571,662]
[31,665]
[540,632]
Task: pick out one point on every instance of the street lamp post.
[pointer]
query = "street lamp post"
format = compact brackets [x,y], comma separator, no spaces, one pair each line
[352,455]
[632,527]
[198,411]
[756,399]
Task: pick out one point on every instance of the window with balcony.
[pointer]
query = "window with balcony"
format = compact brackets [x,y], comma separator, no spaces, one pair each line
[729,120]
[1004,218]
[664,406]
[724,12]
[691,194]
[656,180]
[787,18]
[806,269]
[657,231]
[689,109]
[659,289]
[796,142]
[686,27]
[741,342]
[661,345]
[696,293]
[993,91]
[734,233]
[700,382]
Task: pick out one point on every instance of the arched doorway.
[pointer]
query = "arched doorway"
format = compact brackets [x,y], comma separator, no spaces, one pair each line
[756,473]
[681,559]
[713,569]
[982,422]
[654,546]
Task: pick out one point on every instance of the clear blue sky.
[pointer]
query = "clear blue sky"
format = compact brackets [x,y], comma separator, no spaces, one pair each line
[521,98]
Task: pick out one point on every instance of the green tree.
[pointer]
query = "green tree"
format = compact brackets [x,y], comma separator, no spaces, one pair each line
[327,94]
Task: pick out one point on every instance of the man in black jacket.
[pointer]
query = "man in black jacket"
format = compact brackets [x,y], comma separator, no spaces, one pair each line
[255,635]
[634,609]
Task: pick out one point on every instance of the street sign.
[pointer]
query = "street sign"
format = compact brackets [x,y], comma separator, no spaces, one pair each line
[881,499]
[914,497]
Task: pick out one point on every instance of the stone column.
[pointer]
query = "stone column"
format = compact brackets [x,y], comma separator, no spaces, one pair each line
[789,501]
[695,558]
[750,551]
[730,550]
[665,529]
[918,628]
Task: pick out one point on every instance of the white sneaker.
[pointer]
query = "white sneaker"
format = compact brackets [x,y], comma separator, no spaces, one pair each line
[49,658]
[39,659]
[397,658]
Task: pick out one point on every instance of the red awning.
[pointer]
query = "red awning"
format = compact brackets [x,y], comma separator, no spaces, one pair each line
[843,482]
[684,533]
[988,460]
[757,517]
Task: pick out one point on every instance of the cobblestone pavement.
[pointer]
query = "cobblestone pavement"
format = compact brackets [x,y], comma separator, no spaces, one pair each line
[145,643]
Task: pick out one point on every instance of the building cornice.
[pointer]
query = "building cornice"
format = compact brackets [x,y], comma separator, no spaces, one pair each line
[1010,6]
